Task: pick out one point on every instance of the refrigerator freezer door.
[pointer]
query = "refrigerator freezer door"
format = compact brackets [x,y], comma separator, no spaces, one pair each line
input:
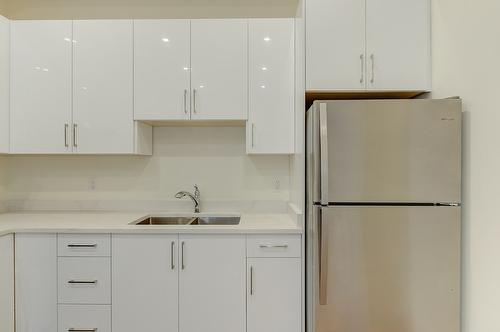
[384,269]
[395,151]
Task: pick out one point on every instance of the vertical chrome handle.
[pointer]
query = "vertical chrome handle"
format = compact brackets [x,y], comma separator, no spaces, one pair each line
[172,248]
[182,256]
[323,132]
[323,260]
[253,135]
[251,280]
[194,101]
[372,58]
[75,127]
[66,126]
[185,101]
[362,60]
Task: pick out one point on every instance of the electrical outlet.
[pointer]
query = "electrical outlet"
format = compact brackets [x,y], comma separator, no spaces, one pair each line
[277,184]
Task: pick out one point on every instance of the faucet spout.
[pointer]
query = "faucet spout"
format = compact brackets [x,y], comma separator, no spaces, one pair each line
[195,198]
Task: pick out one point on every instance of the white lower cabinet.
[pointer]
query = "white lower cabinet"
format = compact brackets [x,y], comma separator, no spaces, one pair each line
[84,318]
[274,295]
[155,282]
[7,283]
[145,282]
[212,283]
[36,282]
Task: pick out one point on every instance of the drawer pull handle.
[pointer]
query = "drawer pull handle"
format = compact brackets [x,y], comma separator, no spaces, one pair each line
[94,245]
[82,330]
[270,246]
[85,282]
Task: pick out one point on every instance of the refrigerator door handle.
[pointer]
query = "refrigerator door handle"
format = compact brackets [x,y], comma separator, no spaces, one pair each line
[323,133]
[323,259]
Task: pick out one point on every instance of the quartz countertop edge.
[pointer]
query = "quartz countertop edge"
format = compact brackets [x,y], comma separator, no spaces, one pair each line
[119,222]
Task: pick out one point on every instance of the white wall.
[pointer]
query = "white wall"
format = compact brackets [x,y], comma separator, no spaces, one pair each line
[212,157]
[466,49]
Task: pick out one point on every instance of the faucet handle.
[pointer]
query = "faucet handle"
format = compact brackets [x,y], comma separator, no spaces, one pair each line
[196,191]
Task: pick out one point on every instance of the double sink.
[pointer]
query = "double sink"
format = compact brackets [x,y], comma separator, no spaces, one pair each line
[189,221]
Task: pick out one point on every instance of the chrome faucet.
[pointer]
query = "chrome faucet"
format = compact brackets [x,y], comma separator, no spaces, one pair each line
[195,198]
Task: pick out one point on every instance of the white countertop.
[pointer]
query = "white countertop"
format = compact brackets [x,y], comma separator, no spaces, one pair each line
[120,222]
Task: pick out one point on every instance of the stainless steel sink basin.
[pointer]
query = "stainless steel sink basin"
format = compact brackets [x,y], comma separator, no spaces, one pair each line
[166,221]
[188,221]
[216,221]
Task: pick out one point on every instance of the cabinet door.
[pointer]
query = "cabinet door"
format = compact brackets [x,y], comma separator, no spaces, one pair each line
[41,86]
[212,283]
[335,34]
[274,295]
[398,44]
[162,69]
[145,274]
[36,282]
[270,126]
[4,83]
[219,69]
[103,86]
[7,283]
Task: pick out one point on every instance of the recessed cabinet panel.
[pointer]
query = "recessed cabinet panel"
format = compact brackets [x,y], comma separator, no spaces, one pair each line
[40,86]
[270,126]
[219,69]
[335,47]
[103,86]
[398,44]
[212,283]
[162,69]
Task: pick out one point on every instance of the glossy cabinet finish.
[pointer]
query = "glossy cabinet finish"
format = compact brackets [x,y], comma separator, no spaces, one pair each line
[219,69]
[212,283]
[335,47]
[84,318]
[368,45]
[40,86]
[274,295]
[4,83]
[103,86]
[270,126]
[398,44]
[145,273]
[7,283]
[36,282]
[162,69]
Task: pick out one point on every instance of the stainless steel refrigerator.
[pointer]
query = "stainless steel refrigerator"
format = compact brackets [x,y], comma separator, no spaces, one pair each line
[383,216]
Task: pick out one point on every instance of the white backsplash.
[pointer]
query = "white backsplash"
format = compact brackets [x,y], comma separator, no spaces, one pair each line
[212,157]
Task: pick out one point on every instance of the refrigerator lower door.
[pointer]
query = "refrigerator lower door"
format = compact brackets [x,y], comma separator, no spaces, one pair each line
[384,269]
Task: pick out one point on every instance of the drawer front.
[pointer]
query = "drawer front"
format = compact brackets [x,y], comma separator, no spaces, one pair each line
[84,280]
[84,318]
[84,245]
[274,245]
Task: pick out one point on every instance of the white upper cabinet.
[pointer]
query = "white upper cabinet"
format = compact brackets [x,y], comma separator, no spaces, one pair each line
[374,45]
[335,45]
[4,83]
[40,86]
[270,126]
[219,69]
[162,69]
[398,44]
[212,283]
[103,86]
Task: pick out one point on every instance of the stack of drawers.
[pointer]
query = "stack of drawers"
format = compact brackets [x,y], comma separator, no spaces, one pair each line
[84,282]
